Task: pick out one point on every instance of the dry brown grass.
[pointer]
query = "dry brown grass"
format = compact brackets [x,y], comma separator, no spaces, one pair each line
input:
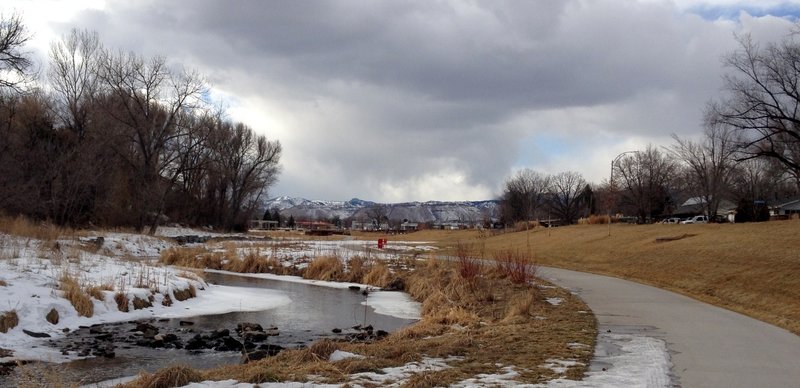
[38,375]
[486,322]
[139,303]
[24,227]
[3,283]
[123,302]
[750,268]
[8,321]
[192,257]
[379,275]
[328,268]
[97,291]
[174,376]
[181,295]
[76,295]
[254,262]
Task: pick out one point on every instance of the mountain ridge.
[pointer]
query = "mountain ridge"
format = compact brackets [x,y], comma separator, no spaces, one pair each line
[358,209]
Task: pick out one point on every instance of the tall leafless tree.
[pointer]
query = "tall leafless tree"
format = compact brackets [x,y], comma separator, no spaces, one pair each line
[524,195]
[763,100]
[710,164]
[73,75]
[249,164]
[565,195]
[149,102]
[14,62]
[645,178]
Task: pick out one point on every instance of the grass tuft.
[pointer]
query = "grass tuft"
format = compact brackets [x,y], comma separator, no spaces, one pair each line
[379,275]
[122,302]
[79,299]
[181,295]
[329,268]
[139,303]
[174,376]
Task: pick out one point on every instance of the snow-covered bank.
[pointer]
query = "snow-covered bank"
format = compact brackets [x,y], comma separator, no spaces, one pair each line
[31,272]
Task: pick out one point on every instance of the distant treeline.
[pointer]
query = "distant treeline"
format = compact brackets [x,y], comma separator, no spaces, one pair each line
[116,139]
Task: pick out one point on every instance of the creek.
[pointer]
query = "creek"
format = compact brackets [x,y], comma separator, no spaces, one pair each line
[314,312]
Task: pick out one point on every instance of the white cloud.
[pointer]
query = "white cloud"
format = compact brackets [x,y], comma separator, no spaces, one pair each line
[422,100]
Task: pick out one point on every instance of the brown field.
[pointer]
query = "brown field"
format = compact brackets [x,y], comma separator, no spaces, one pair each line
[750,268]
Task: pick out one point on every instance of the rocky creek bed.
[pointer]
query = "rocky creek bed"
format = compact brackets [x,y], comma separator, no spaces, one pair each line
[114,350]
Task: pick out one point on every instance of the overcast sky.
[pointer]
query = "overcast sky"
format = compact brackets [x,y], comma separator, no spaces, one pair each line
[437,100]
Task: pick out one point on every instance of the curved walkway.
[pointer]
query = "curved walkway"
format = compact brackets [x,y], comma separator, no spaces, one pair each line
[709,346]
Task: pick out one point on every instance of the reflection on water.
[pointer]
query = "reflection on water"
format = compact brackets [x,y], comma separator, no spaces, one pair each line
[312,314]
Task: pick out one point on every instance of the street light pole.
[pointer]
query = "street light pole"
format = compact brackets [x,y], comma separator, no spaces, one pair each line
[611,187]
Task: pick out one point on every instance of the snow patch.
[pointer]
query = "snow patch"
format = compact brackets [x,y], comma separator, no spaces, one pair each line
[339,355]
[394,303]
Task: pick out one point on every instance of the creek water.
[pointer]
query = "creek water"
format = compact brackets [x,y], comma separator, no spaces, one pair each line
[313,313]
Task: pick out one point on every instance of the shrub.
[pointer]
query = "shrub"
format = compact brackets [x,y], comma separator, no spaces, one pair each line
[517,267]
[469,266]
[594,220]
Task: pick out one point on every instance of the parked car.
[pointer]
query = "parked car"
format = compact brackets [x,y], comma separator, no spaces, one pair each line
[671,220]
[695,220]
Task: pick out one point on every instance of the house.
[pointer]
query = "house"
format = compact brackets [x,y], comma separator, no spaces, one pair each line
[697,205]
[263,224]
[369,226]
[409,226]
[785,209]
[315,225]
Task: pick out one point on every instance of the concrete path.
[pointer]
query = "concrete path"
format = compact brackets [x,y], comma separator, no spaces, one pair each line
[709,346]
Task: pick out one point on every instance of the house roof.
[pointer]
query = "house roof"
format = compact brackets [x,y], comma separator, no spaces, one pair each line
[792,205]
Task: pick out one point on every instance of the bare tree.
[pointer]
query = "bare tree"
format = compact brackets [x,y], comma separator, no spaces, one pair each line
[645,177]
[249,164]
[73,74]
[525,194]
[565,195]
[13,61]
[763,100]
[710,164]
[149,103]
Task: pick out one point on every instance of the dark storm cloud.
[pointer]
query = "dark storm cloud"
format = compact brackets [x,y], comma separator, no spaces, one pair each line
[384,94]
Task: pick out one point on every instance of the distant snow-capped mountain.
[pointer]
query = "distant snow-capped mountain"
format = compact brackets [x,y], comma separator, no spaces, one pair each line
[431,211]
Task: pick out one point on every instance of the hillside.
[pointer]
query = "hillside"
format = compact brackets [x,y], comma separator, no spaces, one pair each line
[750,268]
[430,211]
